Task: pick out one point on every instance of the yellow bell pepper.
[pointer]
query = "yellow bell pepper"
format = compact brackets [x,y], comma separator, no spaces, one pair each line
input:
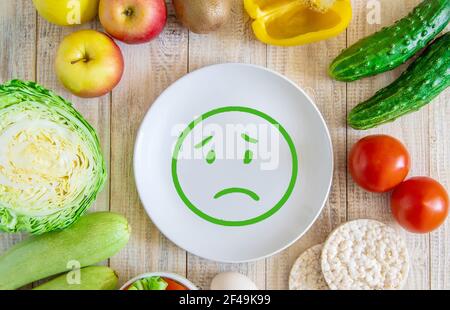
[293,22]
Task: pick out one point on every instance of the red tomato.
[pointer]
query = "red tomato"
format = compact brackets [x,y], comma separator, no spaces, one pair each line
[420,204]
[378,163]
[174,285]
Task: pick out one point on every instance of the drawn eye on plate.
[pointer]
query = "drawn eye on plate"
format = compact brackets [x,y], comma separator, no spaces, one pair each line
[248,157]
[211,157]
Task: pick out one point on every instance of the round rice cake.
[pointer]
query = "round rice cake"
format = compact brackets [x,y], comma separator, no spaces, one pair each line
[306,273]
[365,254]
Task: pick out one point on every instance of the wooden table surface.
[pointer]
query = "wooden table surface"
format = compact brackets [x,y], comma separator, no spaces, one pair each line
[27,50]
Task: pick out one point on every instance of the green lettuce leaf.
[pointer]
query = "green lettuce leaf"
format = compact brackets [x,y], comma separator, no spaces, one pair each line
[149,284]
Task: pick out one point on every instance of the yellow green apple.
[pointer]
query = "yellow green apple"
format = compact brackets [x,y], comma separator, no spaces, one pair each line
[89,63]
[67,12]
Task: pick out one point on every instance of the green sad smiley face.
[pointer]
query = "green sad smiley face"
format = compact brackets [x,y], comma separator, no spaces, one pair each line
[234,186]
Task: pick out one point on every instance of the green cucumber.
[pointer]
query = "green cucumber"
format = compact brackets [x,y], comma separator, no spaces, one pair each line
[424,79]
[91,278]
[394,45]
[94,238]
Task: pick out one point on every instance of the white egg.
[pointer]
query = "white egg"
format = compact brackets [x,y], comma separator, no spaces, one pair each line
[232,281]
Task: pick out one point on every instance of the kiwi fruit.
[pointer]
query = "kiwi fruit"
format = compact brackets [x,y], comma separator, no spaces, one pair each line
[202,16]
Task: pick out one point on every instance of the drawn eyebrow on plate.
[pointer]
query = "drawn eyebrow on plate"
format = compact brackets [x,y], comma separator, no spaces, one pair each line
[203,142]
[248,138]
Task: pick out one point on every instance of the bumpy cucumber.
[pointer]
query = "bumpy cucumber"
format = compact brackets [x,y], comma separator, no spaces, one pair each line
[394,45]
[94,238]
[90,278]
[424,79]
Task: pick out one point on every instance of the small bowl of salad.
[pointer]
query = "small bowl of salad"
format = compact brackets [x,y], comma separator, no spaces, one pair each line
[159,281]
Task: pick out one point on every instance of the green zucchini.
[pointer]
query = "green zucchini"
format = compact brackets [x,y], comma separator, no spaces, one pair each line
[94,238]
[91,278]
[424,79]
[394,45]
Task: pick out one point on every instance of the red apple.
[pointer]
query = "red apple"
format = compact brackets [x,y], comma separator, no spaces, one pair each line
[133,21]
[89,63]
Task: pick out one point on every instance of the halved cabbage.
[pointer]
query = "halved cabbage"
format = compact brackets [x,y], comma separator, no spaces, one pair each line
[51,164]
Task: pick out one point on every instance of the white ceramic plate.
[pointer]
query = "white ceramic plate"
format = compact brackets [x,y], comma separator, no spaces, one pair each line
[233,162]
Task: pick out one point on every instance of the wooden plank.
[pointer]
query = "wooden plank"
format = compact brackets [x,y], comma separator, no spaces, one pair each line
[439,166]
[17,40]
[439,130]
[149,69]
[307,67]
[232,43]
[411,129]
[95,110]
[17,58]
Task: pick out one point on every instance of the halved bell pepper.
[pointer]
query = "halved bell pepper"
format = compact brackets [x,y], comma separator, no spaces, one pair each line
[293,22]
